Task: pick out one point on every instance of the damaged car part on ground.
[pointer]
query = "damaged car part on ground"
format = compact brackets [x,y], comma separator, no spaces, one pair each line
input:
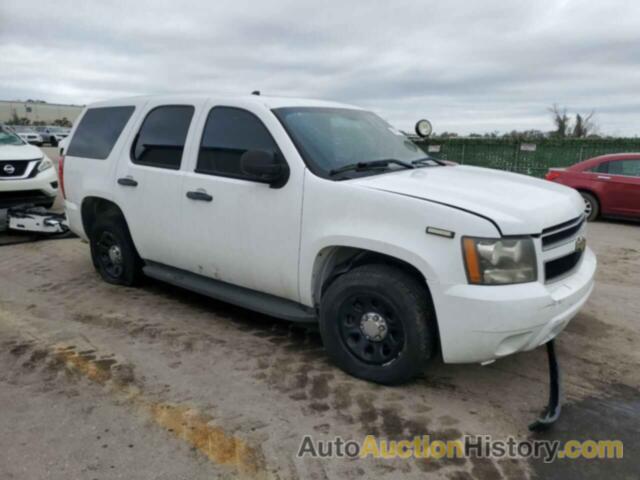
[28,223]
[330,215]
[551,413]
[32,219]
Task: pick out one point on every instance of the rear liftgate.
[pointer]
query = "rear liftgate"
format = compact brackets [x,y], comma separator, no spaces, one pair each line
[552,411]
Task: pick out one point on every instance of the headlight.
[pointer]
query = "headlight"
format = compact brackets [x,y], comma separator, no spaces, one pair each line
[499,261]
[44,164]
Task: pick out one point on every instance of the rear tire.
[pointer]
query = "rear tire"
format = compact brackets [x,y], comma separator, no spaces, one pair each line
[377,324]
[113,252]
[591,206]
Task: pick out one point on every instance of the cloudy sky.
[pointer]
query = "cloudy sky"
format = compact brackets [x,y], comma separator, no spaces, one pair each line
[469,66]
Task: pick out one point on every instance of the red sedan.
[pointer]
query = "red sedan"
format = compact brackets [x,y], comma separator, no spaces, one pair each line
[609,184]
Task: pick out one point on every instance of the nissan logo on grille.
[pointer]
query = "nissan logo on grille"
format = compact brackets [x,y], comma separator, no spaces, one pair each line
[9,169]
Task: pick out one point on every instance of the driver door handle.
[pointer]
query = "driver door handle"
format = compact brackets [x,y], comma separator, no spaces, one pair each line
[201,195]
[127,182]
[604,177]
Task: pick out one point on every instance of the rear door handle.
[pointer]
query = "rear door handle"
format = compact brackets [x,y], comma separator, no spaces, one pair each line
[127,182]
[199,195]
[602,177]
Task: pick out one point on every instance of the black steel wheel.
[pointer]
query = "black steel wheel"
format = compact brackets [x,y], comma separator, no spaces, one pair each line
[370,328]
[109,252]
[113,252]
[377,323]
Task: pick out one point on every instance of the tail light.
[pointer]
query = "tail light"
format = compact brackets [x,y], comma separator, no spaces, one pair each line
[61,175]
[552,175]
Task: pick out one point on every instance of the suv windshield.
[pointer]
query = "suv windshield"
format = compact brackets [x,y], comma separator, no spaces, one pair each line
[9,138]
[330,139]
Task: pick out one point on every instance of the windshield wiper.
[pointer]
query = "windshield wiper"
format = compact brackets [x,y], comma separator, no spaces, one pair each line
[360,166]
[423,161]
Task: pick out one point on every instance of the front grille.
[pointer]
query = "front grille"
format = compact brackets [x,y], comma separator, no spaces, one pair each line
[560,233]
[19,167]
[561,266]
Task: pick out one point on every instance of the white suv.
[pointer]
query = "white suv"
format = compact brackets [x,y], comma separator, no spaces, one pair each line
[27,175]
[321,212]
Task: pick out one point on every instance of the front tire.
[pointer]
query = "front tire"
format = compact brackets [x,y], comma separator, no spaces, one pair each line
[113,252]
[591,206]
[377,324]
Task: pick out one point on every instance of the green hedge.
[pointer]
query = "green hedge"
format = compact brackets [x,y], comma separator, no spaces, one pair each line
[529,157]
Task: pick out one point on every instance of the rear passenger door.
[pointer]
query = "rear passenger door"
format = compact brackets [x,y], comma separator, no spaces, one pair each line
[242,231]
[625,181]
[620,186]
[149,180]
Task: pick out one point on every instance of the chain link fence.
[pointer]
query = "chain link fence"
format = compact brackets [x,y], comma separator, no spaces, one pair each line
[533,158]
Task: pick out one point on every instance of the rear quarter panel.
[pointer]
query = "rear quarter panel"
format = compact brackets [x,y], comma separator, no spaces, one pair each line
[89,177]
[588,182]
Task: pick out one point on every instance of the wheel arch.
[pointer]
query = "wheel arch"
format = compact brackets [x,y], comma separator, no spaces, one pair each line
[94,207]
[593,193]
[333,261]
[590,191]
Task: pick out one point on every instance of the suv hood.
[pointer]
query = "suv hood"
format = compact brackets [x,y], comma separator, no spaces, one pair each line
[518,204]
[20,152]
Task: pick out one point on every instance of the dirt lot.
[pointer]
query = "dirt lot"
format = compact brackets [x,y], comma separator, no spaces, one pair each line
[105,382]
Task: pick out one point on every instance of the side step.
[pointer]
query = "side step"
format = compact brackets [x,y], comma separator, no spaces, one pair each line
[243,297]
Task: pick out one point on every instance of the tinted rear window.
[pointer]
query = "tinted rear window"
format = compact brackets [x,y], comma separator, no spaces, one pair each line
[98,132]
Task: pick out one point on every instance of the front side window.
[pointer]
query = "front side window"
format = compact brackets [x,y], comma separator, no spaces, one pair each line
[228,133]
[332,138]
[98,132]
[160,141]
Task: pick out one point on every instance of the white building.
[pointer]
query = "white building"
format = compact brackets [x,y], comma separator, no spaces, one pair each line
[38,112]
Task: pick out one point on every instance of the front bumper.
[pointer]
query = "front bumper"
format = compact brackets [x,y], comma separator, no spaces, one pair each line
[39,190]
[483,323]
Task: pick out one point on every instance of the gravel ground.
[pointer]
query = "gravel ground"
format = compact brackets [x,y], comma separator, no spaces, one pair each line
[105,382]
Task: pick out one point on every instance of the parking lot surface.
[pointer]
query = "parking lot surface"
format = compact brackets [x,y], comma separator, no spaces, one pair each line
[99,381]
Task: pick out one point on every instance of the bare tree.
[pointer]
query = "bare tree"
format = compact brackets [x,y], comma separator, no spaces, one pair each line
[561,121]
[584,126]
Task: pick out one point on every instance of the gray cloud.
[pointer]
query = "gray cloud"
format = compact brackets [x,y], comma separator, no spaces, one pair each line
[468,66]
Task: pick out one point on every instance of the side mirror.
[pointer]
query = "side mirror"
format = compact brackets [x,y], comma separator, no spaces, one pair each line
[265,167]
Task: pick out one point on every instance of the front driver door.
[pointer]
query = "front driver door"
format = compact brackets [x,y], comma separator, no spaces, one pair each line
[242,231]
